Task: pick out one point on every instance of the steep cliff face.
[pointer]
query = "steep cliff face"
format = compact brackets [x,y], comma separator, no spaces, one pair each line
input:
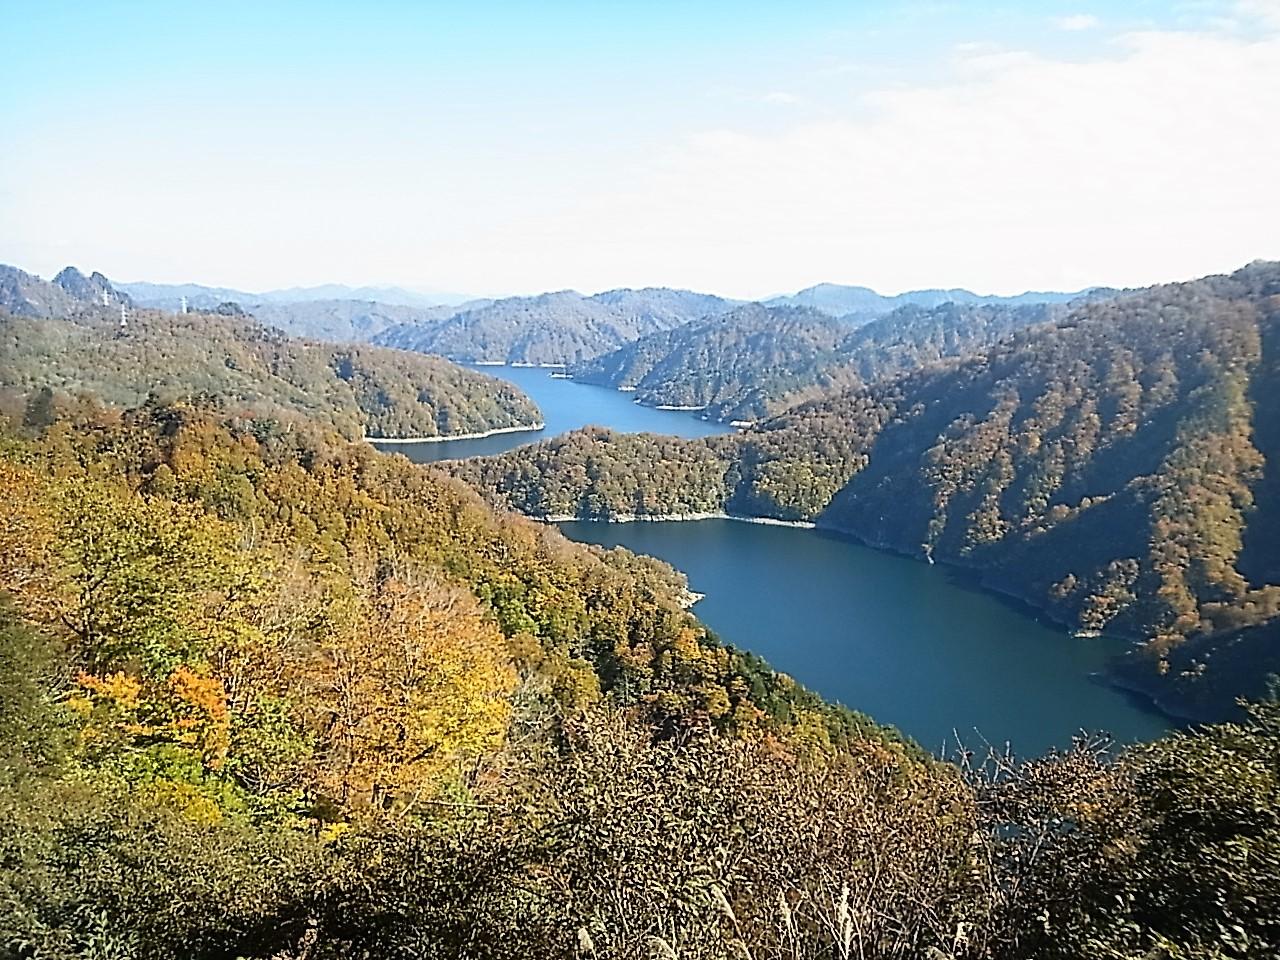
[94,288]
[26,295]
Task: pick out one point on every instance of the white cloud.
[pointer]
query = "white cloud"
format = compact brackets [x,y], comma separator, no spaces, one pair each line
[1154,164]
[1266,12]
[994,60]
[780,98]
[1015,170]
[1078,21]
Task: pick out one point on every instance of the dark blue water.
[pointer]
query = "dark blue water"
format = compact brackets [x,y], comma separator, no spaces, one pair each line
[565,406]
[892,637]
[889,636]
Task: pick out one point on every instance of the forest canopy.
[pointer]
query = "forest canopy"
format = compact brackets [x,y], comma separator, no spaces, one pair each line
[265,693]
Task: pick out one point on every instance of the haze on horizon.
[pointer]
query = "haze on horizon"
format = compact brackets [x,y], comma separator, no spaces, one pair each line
[740,148]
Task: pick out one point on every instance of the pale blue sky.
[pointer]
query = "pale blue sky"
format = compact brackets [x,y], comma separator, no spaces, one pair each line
[742,148]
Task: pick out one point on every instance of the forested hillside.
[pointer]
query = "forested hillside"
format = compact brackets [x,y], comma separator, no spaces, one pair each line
[739,365]
[1104,467]
[267,694]
[359,390]
[756,361]
[553,328]
[187,477]
[68,336]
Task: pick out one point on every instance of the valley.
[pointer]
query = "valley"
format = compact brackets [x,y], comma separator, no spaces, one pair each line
[565,405]
[640,481]
[999,437]
[1099,466]
[256,631]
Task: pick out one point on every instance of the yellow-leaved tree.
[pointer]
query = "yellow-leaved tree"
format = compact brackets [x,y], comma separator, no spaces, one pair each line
[411,682]
[147,591]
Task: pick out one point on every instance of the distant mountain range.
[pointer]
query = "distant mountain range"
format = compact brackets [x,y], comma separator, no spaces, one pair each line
[554,328]
[166,296]
[331,312]
[560,327]
[840,301]
[672,347]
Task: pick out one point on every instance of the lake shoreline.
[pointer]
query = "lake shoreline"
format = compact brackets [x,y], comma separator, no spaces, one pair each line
[517,365]
[563,406]
[673,518]
[683,408]
[1165,708]
[974,579]
[443,438]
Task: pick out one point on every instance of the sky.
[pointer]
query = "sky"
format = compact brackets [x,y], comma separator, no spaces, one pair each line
[742,148]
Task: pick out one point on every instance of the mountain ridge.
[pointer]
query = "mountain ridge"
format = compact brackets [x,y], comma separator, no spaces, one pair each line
[555,327]
[551,327]
[167,295]
[842,300]
[756,361]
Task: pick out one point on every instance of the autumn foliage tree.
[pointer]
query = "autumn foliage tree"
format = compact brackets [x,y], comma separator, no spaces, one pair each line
[409,684]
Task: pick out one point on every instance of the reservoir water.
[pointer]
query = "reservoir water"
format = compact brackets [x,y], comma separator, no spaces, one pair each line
[890,636]
[895,638]
[565,406]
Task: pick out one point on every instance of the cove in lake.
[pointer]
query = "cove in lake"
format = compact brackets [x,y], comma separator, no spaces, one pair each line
[565,405]
[892,637]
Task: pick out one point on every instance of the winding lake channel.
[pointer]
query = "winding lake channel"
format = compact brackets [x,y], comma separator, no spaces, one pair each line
[565,406]
[908,643]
